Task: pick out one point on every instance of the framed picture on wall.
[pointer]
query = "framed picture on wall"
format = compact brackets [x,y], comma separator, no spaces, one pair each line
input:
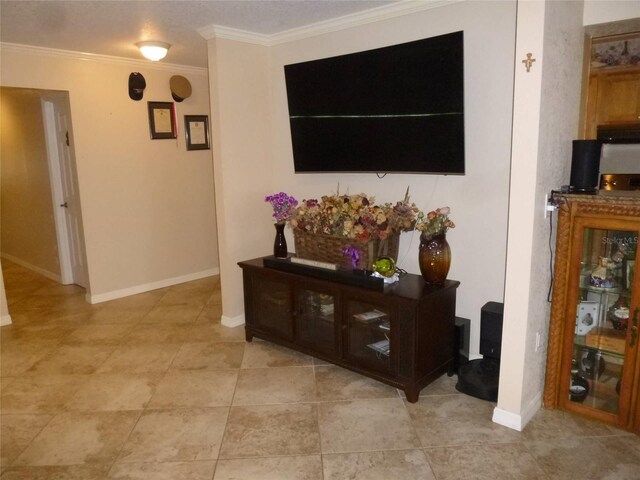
[161,120]
[196,130]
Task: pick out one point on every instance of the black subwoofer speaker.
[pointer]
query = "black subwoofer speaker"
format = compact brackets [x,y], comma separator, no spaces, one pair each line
[585,166]
[491,329]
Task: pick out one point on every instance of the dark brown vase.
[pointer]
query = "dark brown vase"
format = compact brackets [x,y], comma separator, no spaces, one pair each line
[434,258]
[280,243]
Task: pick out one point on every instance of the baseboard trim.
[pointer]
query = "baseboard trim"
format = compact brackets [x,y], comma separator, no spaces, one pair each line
[515,421]
[147,287]
[45,273]
[531,409]
[232,321]
[5,320]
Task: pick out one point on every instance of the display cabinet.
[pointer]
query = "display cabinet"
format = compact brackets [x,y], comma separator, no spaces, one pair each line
[402,335]
[592,365]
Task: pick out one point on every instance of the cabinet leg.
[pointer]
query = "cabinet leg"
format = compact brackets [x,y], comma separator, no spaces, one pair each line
[248,336]
[451,370]
[412,394]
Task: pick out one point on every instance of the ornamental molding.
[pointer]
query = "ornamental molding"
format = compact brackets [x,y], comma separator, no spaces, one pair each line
[385,12]
[6,47]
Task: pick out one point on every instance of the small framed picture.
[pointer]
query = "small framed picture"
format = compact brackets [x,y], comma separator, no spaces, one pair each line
[161,120]
[196,130]
[628,270]
[587,316]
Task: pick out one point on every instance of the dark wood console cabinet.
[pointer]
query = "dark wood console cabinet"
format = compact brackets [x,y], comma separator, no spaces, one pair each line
[402,336]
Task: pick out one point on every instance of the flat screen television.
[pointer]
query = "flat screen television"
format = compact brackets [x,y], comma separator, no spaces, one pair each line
[396,109]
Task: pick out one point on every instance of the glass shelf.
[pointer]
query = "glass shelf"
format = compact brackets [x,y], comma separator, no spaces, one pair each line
[580,341]
[609,290]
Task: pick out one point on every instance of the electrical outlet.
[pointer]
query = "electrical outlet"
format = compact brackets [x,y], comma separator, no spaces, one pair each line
[548,206]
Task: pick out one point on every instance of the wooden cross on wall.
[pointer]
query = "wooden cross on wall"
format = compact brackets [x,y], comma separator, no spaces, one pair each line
[528,61]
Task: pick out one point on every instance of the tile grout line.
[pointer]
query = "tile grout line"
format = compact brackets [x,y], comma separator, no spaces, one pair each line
[226,423]
[30,441]
[538,464]
[146,407]
[317,408]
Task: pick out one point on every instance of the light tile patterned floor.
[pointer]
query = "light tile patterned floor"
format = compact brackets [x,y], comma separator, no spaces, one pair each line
[153,387]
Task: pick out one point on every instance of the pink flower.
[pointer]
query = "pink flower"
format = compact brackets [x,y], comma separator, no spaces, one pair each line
[353,216]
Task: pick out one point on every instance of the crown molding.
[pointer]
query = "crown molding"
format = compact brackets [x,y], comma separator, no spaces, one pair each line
[93,57]
[403,7]
[229,33]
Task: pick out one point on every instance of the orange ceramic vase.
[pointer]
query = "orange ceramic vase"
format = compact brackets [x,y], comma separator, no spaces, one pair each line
[434,258]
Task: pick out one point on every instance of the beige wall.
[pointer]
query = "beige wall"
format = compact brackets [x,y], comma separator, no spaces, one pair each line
[546,108]
[559,116]
[239,80]
[147,205]
[27,225]
[478,199]
[602,11]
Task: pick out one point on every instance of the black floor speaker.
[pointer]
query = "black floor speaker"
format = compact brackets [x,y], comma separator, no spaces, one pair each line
[491,329]
[480,378]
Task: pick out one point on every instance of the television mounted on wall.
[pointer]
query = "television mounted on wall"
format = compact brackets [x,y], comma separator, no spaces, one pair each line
[396,109]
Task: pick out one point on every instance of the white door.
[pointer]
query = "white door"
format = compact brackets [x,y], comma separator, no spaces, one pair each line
[65,193]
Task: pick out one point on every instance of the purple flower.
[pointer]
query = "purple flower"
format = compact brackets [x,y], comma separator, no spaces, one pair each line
[352,253]
[282,205]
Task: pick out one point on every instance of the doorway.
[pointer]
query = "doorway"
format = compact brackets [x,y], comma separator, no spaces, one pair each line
[40,220]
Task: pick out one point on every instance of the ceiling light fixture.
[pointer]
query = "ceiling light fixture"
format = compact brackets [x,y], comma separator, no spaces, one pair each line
[153,50]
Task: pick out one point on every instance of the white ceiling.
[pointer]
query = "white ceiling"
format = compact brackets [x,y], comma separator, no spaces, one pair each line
[113,27]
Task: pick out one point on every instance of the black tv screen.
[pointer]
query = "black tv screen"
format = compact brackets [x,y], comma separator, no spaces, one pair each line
[391,109]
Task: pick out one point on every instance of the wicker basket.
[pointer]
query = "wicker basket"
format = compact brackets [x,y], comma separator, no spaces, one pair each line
[328,248]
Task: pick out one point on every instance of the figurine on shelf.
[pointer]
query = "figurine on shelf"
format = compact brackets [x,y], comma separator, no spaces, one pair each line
[579,388]
[601,276]
[618,314]
[592,365]
[623,252]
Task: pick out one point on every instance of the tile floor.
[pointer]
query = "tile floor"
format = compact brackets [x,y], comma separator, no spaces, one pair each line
[153,387]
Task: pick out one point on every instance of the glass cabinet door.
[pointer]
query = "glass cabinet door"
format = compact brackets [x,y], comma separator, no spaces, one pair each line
[603,314]
[272,304]
[369,341]
[316,320]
